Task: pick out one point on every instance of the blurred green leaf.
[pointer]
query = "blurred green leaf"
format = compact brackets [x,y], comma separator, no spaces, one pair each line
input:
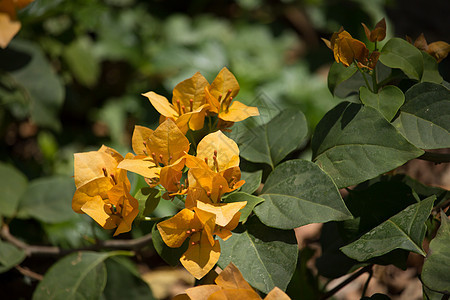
[252,181]
[398,53]
[13,185]
[83,63]
[10,256]
[269,258]
[40,84]
[387,101]
[80,275]
[425,117]
[435,273]
[297,193]
[124,281]
[48,199]
[271,142]
[252,201]
[406,230]
[351,136]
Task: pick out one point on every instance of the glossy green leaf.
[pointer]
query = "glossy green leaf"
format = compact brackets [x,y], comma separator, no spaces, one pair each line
[387,101]
[339,73]
[252,201]
[124,281]
[353,143]
[398,53]
[430,69]
[425,117]
[48,200]
[10,256]
[435,272]
[266,256]
[297,193]
[252,181]
[12,184]
[40,83]
[271,142]
[170,255]
[80,275]
[148,199]
[406,230]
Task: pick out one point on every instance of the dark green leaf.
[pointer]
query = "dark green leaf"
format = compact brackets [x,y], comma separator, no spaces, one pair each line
[425,117]
[271,142]
[124,281]
[387,101]
[338,74]
[170,255]
[10,256]
[252,181]
[48,200]
[41,85]
[297,193]
[80,275]
[398,53]
[353,143]
[430,69]
[148,199]
[252,201]
[405,230]
[435,272]
[12,184]
[266,256]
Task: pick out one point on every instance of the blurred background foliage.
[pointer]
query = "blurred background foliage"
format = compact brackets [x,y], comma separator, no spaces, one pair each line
[73,77]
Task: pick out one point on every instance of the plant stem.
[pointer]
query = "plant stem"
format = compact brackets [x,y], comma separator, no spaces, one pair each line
[347,281]
[374,80]
[364,75]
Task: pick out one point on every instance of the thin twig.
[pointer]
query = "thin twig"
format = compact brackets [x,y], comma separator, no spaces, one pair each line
[366,285]
[31,250]
[347,281]
[27,272]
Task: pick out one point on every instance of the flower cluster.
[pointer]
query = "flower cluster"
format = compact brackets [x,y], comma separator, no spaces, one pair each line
[162,157]
[9,25]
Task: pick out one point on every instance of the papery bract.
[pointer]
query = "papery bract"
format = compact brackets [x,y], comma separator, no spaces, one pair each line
[378,33]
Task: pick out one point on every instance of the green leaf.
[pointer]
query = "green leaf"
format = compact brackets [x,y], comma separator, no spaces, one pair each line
[40,84]
[430,69]
[435,272]
[148,199]
[339,73]
[80,275]
[271,142]
[12,184]
[170,255]
[425,117]
[406,230]
[80,58]
[398,53]
[10,256]
[266,256]
[48,200]
[297,193]
[124,281]
[252,201]
[387,101]
[252,181]
[353,143]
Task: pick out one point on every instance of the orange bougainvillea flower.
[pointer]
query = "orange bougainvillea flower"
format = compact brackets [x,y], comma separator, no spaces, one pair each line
[198,225]
[378,33]
[188,103]
[439,50]
[103,190]
[9,25]
[160,155]
[346,49]
[220,95]
[230,285]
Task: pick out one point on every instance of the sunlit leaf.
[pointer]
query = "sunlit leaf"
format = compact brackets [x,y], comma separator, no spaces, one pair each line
[398,53]
[252,201]
[387,101]
[430,69]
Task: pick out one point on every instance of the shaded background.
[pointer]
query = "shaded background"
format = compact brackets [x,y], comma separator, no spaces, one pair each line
[73,77]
